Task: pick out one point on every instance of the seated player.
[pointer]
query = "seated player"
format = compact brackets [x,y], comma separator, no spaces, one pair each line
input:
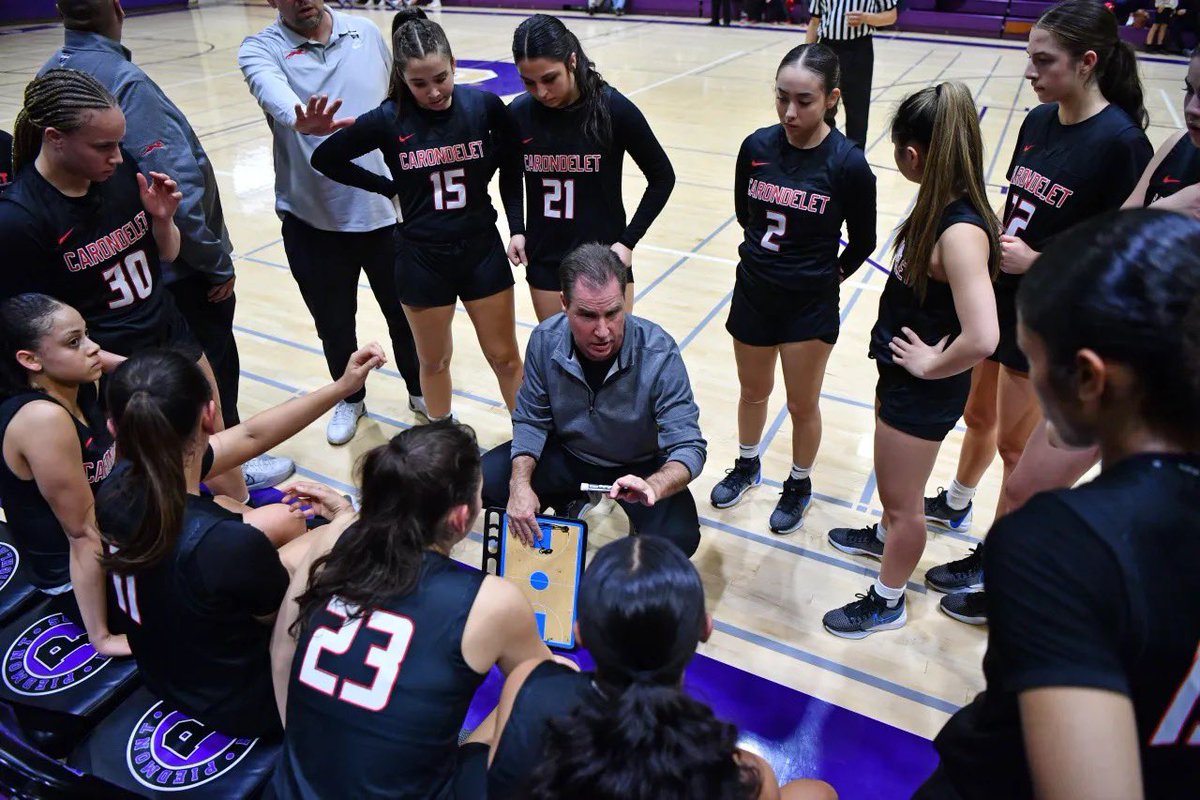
[627,730]
[382,643]
[56,453]
[606,400]
[1093,594]
[198,586]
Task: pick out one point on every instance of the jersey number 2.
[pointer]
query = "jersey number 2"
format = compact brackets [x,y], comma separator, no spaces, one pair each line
[776,227]
[449,193]
[1019,218]
[1171,727]
[559,199]
[131,280]
[385,660]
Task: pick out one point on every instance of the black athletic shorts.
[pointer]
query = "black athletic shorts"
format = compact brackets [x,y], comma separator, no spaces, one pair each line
[432,274]
[925,409]
[1162,16]
[763,314]
[1007,352]
[544,275]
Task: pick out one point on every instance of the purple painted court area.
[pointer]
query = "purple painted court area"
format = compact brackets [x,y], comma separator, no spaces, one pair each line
[43,10]
[801,736]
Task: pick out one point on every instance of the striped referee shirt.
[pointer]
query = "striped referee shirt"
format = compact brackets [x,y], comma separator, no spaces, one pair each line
[832,14]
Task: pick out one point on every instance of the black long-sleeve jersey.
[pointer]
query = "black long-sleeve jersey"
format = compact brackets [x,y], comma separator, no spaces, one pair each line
[792,204]
[573,184]
[441,162]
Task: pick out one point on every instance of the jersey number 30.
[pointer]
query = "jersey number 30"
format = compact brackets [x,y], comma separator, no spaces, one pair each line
[131,280]
[385,660]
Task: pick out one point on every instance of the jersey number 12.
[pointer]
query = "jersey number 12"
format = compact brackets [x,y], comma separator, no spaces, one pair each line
[384,660]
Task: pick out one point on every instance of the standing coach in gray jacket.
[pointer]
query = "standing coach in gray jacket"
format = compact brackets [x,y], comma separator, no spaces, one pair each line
[606,399]
[161,139]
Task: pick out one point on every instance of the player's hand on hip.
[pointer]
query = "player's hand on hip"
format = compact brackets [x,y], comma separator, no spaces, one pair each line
[318,117]
[221,292]
[1016,257]
[623,253]
[633,489]
[516,251]
[910,352]
[522,511]
[160,195]
[362,361]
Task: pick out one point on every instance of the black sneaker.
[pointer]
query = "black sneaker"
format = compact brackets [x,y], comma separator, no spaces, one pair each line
[867,614]
[857,541]
[789,511]
[938,512]
[968,607]
[745,475]
[964,575]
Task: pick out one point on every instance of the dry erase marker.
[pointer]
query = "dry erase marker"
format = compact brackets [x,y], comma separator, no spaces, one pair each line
[603,488]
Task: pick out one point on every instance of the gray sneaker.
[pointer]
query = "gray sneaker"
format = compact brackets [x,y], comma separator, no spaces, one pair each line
[417,406]
[265,471]
[344,423]
[968,607]
[964,575]
[857,541]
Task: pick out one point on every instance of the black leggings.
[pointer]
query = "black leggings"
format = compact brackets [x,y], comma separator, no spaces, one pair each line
[326,266]
[556,480]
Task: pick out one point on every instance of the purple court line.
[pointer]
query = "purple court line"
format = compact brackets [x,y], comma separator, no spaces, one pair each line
[829,665]
[318,351]
[814,555]
[1004,132]
[932,82]
[646,290]
[864,500]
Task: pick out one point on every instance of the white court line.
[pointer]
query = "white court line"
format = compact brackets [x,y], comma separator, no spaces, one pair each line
[1171,108]
[732,262]
[691,71]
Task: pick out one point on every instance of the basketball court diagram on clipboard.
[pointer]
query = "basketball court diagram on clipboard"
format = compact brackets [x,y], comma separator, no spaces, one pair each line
[547,574]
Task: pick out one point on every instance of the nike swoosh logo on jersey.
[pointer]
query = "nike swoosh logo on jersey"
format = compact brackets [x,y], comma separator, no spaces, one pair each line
[755,163]
[63,238]
[1169,179]
[1027,148]
[527,141]
[405,138]
[150,148]
[299,51]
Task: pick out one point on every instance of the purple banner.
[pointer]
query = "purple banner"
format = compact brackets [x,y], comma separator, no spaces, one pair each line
[12,11]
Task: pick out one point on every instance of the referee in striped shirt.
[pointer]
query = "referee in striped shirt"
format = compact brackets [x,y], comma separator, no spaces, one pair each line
[846,27]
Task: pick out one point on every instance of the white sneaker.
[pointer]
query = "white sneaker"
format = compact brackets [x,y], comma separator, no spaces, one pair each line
[417,406]
[265,471]
[344,423]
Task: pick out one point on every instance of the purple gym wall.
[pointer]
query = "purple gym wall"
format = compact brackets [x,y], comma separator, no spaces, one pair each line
[43,10]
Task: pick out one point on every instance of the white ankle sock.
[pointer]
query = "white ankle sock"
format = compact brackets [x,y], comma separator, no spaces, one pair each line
[800,473]
[892,596]
[880,531]
[958,496]
[748,450]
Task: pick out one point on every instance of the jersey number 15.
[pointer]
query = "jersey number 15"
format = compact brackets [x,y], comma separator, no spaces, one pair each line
[384,660]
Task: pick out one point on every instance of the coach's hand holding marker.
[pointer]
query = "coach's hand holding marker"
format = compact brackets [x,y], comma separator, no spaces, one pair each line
[633,489]
[318,118]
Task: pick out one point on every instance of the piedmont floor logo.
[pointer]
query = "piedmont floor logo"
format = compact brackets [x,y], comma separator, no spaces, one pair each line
[51,655]
[9,559]
[497,77]
[171,752]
